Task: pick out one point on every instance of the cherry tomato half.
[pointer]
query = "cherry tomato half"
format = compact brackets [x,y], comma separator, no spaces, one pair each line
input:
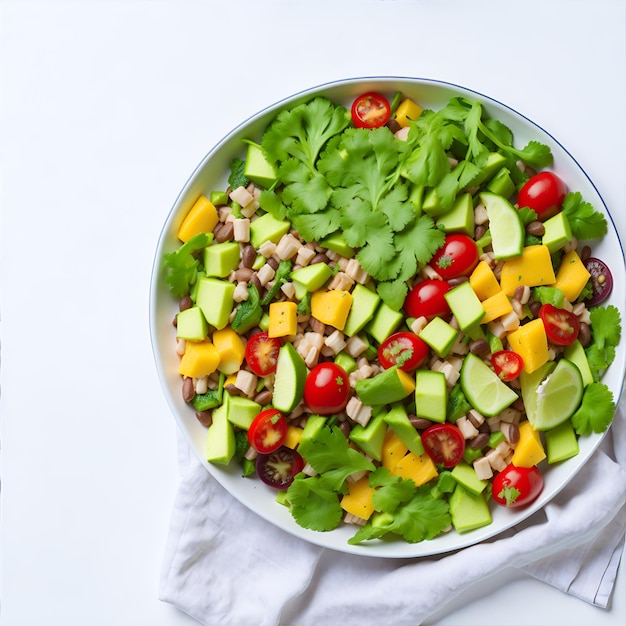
[457,257]
[426,299]
[507,364]
[543,193]
[267,431]
[279,468]
[404,349]
[517,486]
[561,325]
[262,353]
[444,444]
[601,279]
[326,389]
[371,110]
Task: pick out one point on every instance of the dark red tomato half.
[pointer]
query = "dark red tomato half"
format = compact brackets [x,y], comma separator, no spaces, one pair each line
[561,325]
[426,299]
[371,110]
[601,280]
[404,349]
[457,257]
[517,486]
[543,193]
[507,364]
[279,468]
[262,353]
[444,444]
[326,389]
[267,431]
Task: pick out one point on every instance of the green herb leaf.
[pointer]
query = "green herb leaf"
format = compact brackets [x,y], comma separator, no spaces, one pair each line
[584,220]
[596,410]
[182,266]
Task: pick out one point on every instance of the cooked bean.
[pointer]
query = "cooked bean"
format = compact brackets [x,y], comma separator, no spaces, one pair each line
[536,228]
[534,308]
[185,303]
[479,231]
[420,423]
[263,397]
[393,125]
[479,347]
[584,334]
[248,256]
[273,263]
[254,279]
[319,258]
[510,432]
[189,391]
[224,233]
[204,417]
[478,442]
[243,274]
[485,428]
[232,390]
[345,427]
[585,253]
[453,282]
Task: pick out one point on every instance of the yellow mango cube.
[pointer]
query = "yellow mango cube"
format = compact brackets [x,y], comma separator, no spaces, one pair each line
[532,268]
[283,319]
[496,306]
[393,450]
[331,307]
[358,500]
[231,349]
[201,218]
[420,469]
[531,343]
[294,436]
[529,449]
[407,110]
[200,359]
[572,276]
[484,281]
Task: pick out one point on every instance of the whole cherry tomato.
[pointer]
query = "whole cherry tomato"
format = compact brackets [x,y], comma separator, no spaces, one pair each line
[326,389]
[426,299]
[371,110]
[561,325]
[457,257]
[404,349]
[517,486]
[544,194]
[507,364]
[444,444]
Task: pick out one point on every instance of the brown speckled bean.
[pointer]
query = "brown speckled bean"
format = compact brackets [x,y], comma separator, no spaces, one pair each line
[243,274]
[189,392]
[225,232]
[263,397]
[536,228]
[584,334]
[204,417]
[478,442]
[248,256]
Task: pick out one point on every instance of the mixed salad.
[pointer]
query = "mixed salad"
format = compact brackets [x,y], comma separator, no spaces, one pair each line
[392,316]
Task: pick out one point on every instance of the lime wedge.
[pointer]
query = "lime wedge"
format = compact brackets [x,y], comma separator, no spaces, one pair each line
[482,387]
[558,396]
[505,226]
[530,383]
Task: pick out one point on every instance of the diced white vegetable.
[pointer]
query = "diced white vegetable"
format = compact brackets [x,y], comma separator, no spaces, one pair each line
[358,411]
[305,254]
[483,468]
[268,249]
[468,430]
[241,292]
[265,274]
[341,281]
[241,196]
[355,346]
[496,460]
[479,418]
[246,382]
[241,230]
[287,247]
[418,324]
[355,271]
[335,341]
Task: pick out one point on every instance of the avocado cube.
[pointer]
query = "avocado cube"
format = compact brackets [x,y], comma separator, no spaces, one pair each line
[364,305]
[468,510]
[220,437]
[370,438]
[502,184]
[398,420]
[258,169]
[465,306]
[191,325]
[312,277]
[495,161]
[431,395]
[215,299]
[432,204]
[557,232]
[221,259]
[312,428]
[385,322]
[337,243]
[460,219]
[439,335]
[267,228]
[241,411]
[561,442]
[465,475]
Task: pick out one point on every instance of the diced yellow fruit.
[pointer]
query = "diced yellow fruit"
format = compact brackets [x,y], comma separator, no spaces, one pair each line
[572,276]
[496,306]
[200,359]
[230,380]
[420,469]
[283,319]
[294,435]
[358,500]
[484,281]
[231,349]
[531,343]
[201,218]
[393,450]
[408,381]
[407,110]
[331,307]
[529,449]
[532,268]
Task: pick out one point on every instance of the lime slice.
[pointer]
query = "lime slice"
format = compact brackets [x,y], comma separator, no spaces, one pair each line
[558,396]
[291,373]
[530,383]
[482,387]
[505,226]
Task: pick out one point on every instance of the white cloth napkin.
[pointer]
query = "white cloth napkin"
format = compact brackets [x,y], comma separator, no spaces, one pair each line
[224,565]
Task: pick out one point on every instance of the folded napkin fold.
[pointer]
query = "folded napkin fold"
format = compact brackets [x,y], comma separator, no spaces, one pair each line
[224,565]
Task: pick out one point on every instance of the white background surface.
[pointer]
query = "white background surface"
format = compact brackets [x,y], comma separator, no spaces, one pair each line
[107,106]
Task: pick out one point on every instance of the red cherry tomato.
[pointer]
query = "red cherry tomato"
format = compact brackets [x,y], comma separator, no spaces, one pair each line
[457,257]
[404,349]
[601,280]
[279,468]
[507,364]
[267,431]
[561,325]
[444,444]
[262,353]
[326,389]
[371,110]
[517,486]
[543,193]
[426,299]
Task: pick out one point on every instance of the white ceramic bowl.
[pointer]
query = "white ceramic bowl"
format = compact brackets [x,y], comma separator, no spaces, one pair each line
[212,173]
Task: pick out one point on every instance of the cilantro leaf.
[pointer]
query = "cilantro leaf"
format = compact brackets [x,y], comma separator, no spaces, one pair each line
[271,202]
[584,220]
[313,503]
[391,491]
[236,177]
[305,190]
[316,226]
[393,292]
[182,266]
[606,325]
[596,410]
